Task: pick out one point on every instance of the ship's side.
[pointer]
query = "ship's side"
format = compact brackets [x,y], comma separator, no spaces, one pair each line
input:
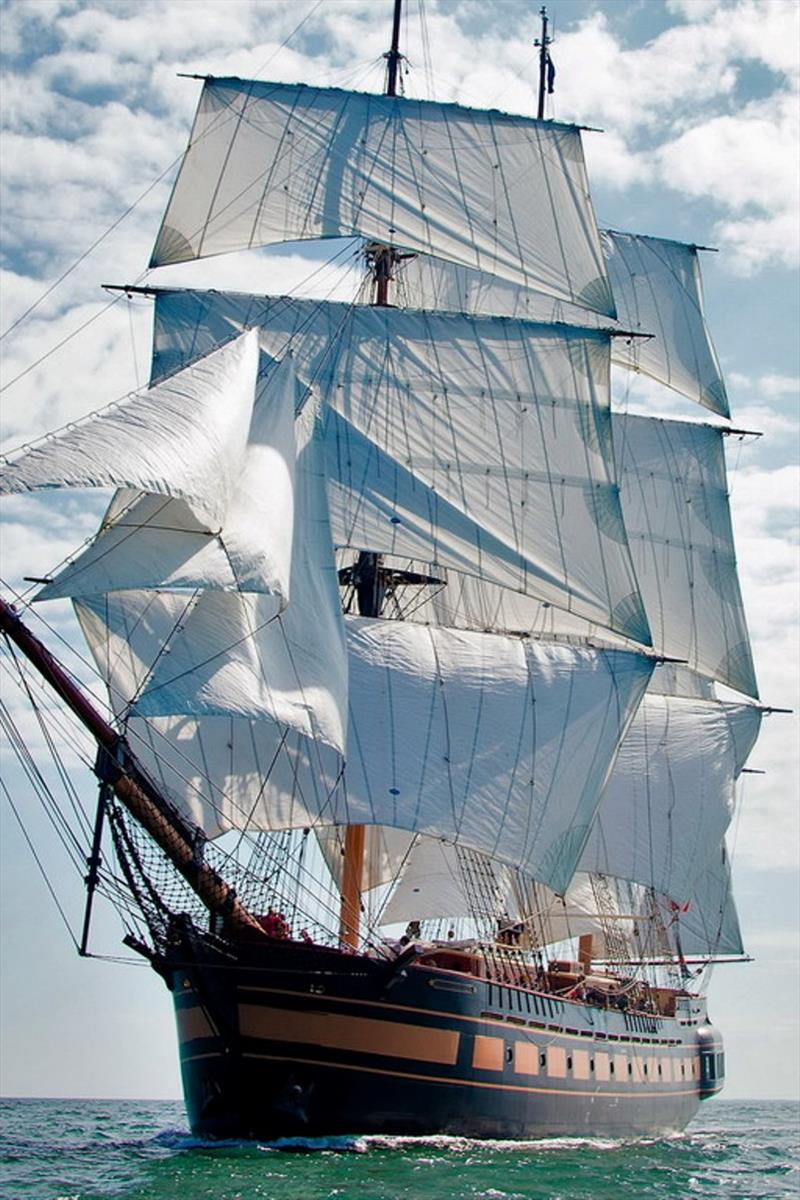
[303,1041]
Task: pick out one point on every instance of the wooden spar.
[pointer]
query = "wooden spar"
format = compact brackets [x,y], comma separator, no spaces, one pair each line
[586,952]
[164,824]
[352,880]
[355,835]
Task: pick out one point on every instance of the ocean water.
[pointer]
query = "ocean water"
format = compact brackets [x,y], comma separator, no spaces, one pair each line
[142,1150]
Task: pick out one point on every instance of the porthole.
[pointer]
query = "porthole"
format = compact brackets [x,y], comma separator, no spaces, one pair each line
[542,1060]
[611,1067]
[509,1054]
[591,1064]
[630,1068]
[569,1062]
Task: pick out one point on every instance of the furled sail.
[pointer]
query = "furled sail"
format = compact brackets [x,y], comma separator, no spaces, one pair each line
[184,437]
[150,540]
[474,443]
[272,162]
[673,493]
[670,797]
[657,291]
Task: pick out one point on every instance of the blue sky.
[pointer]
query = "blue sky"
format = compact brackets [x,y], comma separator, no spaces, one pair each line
[698,100]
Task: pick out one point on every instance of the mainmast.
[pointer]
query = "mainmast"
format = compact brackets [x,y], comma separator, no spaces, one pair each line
[367,573]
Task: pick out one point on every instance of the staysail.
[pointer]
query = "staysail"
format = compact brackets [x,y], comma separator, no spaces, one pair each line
[150,540]
[185,437]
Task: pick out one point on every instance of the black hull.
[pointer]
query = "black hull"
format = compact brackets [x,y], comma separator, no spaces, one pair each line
[313,1043]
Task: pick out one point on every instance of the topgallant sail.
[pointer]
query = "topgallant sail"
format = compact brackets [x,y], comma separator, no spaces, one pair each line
[403,624]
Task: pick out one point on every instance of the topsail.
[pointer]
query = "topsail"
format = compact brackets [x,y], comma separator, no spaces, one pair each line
[272,162]
[657,294]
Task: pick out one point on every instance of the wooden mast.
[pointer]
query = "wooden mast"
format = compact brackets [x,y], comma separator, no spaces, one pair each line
[368,571]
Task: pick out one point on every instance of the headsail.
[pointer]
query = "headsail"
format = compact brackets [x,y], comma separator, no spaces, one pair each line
[232,687]
[149,540]
[271,162]
[185,437]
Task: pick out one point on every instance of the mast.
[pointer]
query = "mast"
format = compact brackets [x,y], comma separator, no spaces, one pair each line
[393,57]
[118,769]
[546,71]
[367,572]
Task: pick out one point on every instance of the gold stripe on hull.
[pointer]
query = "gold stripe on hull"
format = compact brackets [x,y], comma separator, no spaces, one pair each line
[337,1031]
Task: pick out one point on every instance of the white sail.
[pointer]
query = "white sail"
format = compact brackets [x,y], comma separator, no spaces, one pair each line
[673,492]
[475,443]
[271,162]
[153,541]
[499,744]
[657,292]
[708,922]
[185,437]
[238,655]
[640,921]
[670,797]
[386,852]
[677,518]
[432,884]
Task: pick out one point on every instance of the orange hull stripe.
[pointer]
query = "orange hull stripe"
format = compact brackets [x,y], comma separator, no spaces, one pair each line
[337,1031]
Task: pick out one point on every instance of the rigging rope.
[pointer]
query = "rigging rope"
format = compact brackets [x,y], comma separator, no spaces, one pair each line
[39,863]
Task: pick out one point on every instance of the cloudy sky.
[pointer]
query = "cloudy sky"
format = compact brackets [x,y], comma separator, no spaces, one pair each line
[698,103]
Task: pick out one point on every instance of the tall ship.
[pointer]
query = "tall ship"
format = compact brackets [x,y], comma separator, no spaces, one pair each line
[428,679]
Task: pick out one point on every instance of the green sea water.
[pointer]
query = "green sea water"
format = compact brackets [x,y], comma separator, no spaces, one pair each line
[139,1150]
